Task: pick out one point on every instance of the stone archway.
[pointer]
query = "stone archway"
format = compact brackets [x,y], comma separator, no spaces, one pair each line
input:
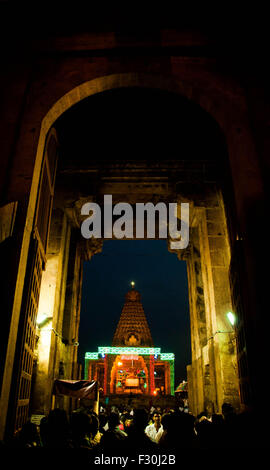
[74,96]
[110,82]
[214,363]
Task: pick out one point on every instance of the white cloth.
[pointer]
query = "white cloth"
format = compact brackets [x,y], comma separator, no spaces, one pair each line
[151,432]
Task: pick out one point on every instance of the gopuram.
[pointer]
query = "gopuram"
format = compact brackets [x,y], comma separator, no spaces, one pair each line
[132,365]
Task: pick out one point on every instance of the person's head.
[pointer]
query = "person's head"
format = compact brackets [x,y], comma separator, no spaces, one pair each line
[84,424]
[58,422]
[156,418]
[217,419]
[167,421]
[140,419]
[227,410]
[128,421]
[103,419]
[113,420]
[205,429]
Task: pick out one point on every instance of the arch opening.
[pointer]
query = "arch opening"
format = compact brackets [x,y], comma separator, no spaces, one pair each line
[186,162]
[162,175]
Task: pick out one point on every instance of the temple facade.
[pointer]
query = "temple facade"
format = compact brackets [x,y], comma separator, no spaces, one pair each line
[132,364]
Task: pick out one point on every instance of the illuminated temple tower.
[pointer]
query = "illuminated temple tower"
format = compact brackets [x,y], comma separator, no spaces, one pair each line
[132,364]
[132,329]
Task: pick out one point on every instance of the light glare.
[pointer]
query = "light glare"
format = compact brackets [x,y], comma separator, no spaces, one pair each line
[231,318]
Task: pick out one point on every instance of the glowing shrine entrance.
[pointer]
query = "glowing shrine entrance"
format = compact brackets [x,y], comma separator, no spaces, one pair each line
[132,365]
[129,375]
[123,370]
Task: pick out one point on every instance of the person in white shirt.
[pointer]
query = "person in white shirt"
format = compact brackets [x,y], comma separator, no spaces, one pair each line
[154,431]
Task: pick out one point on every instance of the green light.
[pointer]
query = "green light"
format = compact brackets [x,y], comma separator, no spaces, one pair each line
[231,318]
[119,350]
[102,350]
[167,357]
[172,377]
[91,355]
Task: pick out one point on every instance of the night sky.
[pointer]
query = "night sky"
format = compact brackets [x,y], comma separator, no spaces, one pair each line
[161,280]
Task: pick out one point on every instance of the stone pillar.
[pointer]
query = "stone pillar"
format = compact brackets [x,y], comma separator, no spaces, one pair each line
[218,348]
[215,227]
[71,314]
[214,367]
[197,325]
[206,371]
[50,313]
[191,403]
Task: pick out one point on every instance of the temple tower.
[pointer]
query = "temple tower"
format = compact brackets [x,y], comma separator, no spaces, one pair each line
[132,365]
[132,328]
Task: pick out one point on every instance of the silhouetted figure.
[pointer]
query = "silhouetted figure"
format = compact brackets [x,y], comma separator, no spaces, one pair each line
[27,437]
[217,420]
[84,429]
[113,438]
[137,439]
[127,421]
[218,425]
[228,412]
[58,430]
[43,431]
[178,431]
[231,432]
[205,436]
[103,420]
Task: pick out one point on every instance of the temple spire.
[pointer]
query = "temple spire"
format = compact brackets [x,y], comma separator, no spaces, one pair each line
[132,328]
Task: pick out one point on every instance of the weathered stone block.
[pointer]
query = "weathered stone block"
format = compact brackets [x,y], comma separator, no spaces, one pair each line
[215,229]
[216,243]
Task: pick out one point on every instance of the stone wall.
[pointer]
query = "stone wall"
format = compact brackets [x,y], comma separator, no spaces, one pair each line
[37,89]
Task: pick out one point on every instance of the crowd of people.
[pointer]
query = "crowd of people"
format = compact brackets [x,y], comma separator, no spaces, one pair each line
[127,429]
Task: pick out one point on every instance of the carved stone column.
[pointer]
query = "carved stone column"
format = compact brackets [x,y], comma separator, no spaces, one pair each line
[50,313]
[218,352]
[213,372]
[197,323]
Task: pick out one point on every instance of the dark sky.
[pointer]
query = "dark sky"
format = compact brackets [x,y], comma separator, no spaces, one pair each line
[161,280]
